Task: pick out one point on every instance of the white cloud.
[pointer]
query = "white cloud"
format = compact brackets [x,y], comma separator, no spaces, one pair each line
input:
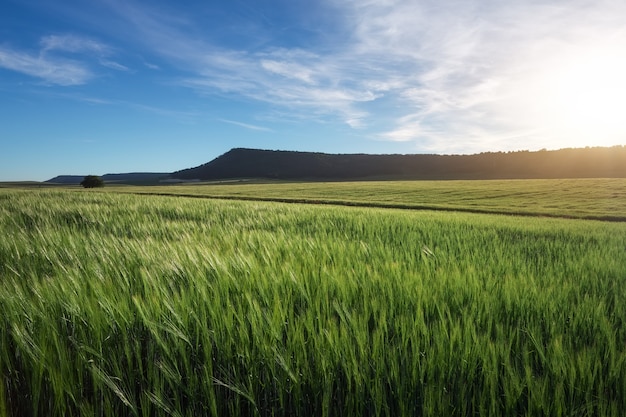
[52,62]
[301,80]
[246,125]
[73,43]
[81,45]
[459,75]
[288,70]
[151,66]
[475,71]
[113,65]
[52,70]
[304,84]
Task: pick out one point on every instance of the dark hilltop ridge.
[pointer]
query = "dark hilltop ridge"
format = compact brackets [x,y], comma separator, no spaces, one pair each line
[243,163]
[138,178]
[596,162]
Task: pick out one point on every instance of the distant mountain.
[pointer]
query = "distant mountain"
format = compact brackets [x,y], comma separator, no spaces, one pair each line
[129,178]
[594,162]
[240,163]
[136,177]
[66,179]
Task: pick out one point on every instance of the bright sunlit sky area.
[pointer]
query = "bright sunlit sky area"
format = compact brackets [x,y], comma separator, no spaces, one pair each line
[113,86]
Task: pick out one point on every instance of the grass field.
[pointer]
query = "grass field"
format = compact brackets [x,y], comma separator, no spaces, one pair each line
[577,198]
[119,304]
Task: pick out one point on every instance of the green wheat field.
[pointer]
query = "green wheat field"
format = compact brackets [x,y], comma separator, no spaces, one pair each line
[114,303]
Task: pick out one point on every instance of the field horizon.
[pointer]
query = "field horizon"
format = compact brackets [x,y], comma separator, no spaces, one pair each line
[593,199]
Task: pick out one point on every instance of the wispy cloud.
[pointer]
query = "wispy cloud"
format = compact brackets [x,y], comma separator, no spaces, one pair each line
[307,84]
[113,65]
[246,125]
[289,69]
[471,68]
[73,43]
[182,116]
[179,115]
[69,43]
[457,75]
[53,70]
[151,66]
[61,59]
[302,80]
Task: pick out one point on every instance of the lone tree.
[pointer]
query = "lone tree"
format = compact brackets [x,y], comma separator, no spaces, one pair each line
[92,181]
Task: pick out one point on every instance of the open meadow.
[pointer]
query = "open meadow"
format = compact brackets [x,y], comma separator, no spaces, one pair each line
[592,198]
[114,303]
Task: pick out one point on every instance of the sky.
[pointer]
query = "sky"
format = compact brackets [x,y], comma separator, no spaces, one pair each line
[114,86]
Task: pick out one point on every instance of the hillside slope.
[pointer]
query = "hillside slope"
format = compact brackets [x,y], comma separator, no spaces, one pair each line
[564,163]
[128,178]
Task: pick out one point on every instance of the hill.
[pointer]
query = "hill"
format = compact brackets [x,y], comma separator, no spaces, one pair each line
[66,179]
[129,178]
[595,162]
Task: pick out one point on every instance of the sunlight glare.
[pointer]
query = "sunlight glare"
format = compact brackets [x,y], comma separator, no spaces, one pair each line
[585,96]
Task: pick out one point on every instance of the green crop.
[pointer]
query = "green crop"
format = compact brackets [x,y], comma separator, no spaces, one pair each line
[593,198]
[116,304]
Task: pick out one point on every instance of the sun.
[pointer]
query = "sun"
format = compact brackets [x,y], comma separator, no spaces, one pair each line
[584,97]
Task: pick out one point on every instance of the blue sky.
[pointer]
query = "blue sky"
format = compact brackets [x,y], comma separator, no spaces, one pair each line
[109,86]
